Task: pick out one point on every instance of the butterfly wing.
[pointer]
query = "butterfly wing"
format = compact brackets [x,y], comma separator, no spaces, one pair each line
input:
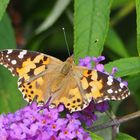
[39,88]
[30,67]
[23,62]
[100,86]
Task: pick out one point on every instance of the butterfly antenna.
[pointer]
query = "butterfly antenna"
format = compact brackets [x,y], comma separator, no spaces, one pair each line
[66,41]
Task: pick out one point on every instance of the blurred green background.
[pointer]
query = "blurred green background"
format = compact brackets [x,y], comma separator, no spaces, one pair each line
[37,25]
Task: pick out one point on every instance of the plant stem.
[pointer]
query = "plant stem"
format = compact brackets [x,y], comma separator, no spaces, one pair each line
[116,121]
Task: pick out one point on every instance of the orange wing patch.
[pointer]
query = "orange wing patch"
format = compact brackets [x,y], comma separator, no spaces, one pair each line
[90,84]
[31,68]
[73,102]
[33,90]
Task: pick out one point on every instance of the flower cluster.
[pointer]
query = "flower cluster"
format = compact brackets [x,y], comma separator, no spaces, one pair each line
[35,123]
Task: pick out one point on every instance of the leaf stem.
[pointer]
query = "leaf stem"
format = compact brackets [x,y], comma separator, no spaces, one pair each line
[116,121]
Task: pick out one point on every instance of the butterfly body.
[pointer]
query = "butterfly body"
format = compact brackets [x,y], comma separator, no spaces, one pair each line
[43,77]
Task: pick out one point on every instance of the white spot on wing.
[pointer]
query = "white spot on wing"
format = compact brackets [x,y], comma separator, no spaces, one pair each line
[118,98]
[22,53]
[122,85]
[13,62]
[5,65]
[109,83]
[113,98]
[106,98]
[110,80]
[110,91]
[116,91]
[9,51]
[20,56]
[120,90]
[123,97]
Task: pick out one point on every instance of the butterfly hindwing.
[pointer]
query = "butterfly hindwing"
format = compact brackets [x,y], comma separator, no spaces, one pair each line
[100,86]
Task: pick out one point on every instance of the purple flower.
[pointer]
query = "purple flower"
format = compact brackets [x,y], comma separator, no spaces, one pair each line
[102,107]
[114,70]
[66,134]
[87,115]
[98,59]
[79,135]
[38,123]
[99,67]
[86,62]
[74,123]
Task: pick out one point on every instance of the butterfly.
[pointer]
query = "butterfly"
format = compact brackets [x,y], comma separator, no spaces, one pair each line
[43,77]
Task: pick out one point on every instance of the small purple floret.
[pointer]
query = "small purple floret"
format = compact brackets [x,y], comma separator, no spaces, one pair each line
[98,59]
[99,67]
[86,62]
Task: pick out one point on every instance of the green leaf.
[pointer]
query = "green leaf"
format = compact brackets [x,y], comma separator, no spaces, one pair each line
[56,12]
[126,66]
[123,136]
[133,82]
[10,97]
[138,25]
[91,23]
[114,43]
[7,38]
[94,136]
[134,86]
[3,6]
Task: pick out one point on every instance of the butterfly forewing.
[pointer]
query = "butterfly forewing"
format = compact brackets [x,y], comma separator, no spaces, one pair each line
[28,66]
[25,63]
[100,86]
[14,59]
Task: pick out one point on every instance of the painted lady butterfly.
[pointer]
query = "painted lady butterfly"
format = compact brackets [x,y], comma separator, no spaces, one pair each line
[42,77]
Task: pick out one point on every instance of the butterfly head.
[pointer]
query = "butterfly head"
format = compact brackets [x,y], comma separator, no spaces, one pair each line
[70,59]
